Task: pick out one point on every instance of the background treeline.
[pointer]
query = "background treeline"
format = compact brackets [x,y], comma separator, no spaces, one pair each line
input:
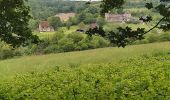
[61,42]
[42,9]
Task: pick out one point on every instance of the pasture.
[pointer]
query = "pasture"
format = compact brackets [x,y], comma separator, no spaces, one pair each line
[144,77]
[42,63]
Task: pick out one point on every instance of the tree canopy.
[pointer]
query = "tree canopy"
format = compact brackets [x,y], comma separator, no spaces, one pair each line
[14,18]
[55,22]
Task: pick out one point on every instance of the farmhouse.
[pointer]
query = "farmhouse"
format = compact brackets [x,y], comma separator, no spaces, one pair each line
[117,17]
[65,16]
[44,26]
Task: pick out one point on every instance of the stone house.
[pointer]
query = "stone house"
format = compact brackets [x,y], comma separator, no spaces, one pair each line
[117,17]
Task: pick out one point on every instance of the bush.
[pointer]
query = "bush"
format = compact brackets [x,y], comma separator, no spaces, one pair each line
[57,36]
[82,45]
[6,51]
[152,38]
[66,44]
[98,42]
[165,37]
[52,49]
[76,37]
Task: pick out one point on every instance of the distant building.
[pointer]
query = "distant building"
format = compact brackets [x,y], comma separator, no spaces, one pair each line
[65,16]
[44,26]
[93,25]
[117,17]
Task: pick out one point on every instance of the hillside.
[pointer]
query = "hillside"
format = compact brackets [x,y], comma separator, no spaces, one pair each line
[97,56]
[127,76]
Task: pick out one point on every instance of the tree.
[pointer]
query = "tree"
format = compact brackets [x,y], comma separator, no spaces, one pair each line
[82,25]
[55,22]
[100,21]
[14,18]
[68,25]
[33,24]
[125,35]
[82,16]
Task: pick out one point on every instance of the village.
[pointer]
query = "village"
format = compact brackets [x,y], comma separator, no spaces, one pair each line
[45,26]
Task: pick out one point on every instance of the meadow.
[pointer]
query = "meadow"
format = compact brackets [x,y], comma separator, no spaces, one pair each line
[42,63]
[139,72]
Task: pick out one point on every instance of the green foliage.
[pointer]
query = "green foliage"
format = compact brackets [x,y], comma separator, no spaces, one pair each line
[14,20]
[82,25]
[76,37]
[33,24]
[68,25]
[57,36]
[136,78]
[42,9]
[73,20]
[153,37]
[100,21]
[6,51]
[66,44]
[165,37]
[55,22]
[52,49]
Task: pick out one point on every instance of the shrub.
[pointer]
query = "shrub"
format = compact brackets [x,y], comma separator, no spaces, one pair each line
[76,37]
[153,38]
[52,49]
[66,44]
[102,42]
[57,36]
[165,37]
[6,51]
[82,45]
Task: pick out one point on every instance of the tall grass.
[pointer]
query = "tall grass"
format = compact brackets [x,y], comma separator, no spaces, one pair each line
[97,56]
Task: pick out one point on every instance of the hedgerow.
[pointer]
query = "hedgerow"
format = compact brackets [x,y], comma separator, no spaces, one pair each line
[144,78]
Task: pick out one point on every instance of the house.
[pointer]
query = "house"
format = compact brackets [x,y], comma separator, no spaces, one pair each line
[117,17]
[93,25]
[44,26]
[65,16]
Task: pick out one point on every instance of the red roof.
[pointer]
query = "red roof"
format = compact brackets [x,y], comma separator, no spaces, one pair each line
[44,24]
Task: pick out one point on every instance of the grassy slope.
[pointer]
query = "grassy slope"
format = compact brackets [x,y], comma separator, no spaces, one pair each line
[104,55]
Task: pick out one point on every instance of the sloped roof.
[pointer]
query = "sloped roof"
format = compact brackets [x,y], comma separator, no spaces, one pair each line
[44,24]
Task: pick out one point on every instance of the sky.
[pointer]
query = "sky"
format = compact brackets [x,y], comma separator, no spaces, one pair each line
[85,0]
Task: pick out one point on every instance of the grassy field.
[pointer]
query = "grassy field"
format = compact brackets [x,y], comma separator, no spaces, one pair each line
[97,56]
[138,72]
[105,74]
[43,35]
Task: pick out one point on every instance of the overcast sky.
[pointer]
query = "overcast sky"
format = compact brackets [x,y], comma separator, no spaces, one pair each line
[85,0]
